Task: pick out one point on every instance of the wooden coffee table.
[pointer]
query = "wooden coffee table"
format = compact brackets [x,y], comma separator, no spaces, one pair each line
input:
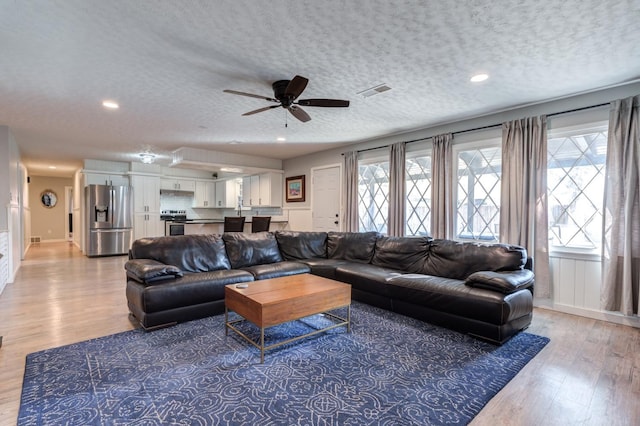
[266,303]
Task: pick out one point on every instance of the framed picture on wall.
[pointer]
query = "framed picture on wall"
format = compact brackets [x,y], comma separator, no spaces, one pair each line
[294,188]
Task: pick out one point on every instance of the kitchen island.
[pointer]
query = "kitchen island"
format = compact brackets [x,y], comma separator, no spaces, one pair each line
[216,226]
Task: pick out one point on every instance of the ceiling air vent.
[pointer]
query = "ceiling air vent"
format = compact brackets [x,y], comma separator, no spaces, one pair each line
[374,90]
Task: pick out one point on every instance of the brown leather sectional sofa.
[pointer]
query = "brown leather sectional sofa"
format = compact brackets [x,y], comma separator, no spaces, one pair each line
[481,289]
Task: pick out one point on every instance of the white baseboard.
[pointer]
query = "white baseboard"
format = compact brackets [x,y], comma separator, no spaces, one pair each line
[613,317]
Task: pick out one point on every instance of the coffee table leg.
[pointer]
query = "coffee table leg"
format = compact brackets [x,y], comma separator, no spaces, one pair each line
[226,321]
[261,345]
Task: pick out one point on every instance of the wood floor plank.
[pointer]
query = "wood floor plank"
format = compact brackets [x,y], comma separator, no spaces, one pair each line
[589,374]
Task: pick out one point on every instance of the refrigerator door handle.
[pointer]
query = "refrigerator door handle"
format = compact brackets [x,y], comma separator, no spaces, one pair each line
[112,202]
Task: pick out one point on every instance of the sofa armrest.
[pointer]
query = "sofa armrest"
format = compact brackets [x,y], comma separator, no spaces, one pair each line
[504,282]
[148,270]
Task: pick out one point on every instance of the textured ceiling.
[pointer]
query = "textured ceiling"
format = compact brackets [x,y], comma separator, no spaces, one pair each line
[167,62]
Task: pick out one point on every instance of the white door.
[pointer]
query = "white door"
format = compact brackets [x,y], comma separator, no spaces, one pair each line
[326,195]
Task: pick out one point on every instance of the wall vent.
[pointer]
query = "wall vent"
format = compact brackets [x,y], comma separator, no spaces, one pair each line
[35,239]
[375,90]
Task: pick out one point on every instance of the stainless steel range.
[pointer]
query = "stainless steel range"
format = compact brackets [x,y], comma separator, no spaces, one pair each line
[173,221]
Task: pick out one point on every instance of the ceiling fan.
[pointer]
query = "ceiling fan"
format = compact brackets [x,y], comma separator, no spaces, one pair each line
[285,93]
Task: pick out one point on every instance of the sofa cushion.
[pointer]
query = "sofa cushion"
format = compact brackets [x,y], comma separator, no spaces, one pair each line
[244,249]
[147,270]
[302,245]
[407,254]
[324,267]
[191,289]
[455,298]
[366,277]
[504,282]
[351,246]
[278,269]
[453,259]
[190,253]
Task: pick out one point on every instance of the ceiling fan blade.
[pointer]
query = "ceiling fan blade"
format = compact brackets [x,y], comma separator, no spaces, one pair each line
[251,95]
[296,87]
[323,102]
[299,113]
[261,109]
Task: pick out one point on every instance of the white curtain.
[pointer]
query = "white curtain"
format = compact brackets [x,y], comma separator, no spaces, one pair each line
[523,205]
[621,224]
[350,200]
[397,199]
[442,213]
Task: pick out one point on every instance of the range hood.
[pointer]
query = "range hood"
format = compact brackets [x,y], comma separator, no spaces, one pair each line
[225,163]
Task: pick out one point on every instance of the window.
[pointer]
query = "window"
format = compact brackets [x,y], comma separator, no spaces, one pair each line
[478,192]
[575,181]
[418,192]
[373,195]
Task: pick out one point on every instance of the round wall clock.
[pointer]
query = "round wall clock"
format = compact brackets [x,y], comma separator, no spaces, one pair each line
[48,198]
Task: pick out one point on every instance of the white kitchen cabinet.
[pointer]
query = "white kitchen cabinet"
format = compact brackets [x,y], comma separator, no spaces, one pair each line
[271,189]
[251,191]
[246,191]
[205,194]
[177,184]
[146,194]
[227,194]
[105,179]
[147,225]
[146,206]
[264,190]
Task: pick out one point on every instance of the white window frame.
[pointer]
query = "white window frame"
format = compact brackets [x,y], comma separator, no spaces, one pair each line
[366,159]
[491,142]
[576,252]
[410,154]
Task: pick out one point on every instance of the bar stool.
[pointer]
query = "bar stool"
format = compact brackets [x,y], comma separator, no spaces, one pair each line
[260,223]
[234,223]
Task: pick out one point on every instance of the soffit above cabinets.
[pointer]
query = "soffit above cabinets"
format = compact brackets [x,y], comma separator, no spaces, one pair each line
[223,163]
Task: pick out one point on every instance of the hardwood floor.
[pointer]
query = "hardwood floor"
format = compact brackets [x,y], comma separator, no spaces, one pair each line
[589,374]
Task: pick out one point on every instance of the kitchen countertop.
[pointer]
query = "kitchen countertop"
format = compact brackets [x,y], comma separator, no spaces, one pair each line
[214,221]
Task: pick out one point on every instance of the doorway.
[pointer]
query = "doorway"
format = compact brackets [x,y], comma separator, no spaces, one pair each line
[68,213]
[326,196]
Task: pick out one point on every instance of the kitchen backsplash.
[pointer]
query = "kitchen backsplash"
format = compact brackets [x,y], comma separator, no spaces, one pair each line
[175,200]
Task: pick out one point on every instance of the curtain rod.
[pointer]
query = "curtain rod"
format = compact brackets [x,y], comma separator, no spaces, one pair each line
[490,126]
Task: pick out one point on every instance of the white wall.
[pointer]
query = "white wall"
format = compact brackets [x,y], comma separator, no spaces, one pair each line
[5,181]
[48,223]
[302,165]
[11,191]
[575,281]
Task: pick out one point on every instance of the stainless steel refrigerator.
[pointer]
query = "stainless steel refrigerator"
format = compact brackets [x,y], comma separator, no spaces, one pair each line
[109,219]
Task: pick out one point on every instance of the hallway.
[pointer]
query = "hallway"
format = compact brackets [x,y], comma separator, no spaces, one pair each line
[59,297]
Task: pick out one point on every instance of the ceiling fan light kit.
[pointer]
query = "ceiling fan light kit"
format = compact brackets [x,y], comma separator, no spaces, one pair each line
[286,93]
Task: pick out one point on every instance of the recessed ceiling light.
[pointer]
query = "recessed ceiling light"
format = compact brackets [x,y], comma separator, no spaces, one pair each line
[281,139]
[479,77]
[53,167]
[110,104]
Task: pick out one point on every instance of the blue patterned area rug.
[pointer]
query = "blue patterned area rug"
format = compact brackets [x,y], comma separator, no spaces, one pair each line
[389,370]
